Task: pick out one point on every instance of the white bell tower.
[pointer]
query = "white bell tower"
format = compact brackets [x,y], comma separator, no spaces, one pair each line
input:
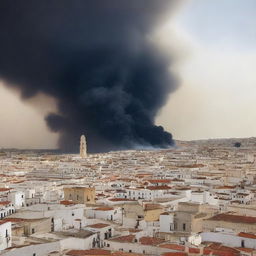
[83,147]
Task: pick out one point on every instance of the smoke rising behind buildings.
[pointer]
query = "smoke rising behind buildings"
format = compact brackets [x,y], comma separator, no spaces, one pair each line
[97,60]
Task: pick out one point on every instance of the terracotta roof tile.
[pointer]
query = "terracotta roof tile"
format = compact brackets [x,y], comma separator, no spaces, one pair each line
[126,239]
[146,240]
[67,202]
[4,189]
[159,181]
[247,235]
[5,202]
[234,218]
[245,249]
[98,252]
[120,199]
[158,187]
[176,247]
[125,254]
[98,225]
[175,254]
[194,250]
[104,209]
[220,250]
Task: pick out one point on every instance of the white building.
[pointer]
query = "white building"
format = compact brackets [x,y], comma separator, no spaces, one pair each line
[105,213]
[5,235]
[242,239]
[166,222]
[6,209]
[17,198]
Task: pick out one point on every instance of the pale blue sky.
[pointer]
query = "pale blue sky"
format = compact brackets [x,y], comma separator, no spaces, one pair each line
[217,97]
[226,22]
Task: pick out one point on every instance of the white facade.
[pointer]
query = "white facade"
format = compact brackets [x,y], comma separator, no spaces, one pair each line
[166,223]
[105,213]
[17,198]
[227,239]
[6,209]
[5,235]
[63,217]
[147,194]
[204,197]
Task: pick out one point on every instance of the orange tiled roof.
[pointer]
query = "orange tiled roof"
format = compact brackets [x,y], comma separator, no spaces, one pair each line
[225,187]
[247,235]
[220,250]
[5,202]
[98,252]
[125,254]
[3,221]
[234,218]
[4,189]
[98,225]
[160,181]
[126,239]
[146,240]
[245,249]
[104,209]
[174,254]
[158,187]
[176,247]
[67,202]
[14,219]
[120,199]
[194,250]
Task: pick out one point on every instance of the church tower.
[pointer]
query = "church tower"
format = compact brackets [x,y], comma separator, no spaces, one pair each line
[83,147]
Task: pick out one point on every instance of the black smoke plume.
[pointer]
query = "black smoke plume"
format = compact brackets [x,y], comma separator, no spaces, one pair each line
[96,58]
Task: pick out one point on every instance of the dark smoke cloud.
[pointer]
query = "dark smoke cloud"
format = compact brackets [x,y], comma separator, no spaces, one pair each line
[95,57]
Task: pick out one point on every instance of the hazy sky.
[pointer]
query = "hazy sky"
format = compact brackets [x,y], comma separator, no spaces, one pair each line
[215,41]
[217,96]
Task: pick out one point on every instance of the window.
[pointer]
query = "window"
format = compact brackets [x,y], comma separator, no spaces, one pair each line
[33,230]
[184,226]
[130,250]
[242,243]
[34,254]
[73,214]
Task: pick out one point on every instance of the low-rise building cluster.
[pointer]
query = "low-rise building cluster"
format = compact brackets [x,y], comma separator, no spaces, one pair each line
[197,198]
